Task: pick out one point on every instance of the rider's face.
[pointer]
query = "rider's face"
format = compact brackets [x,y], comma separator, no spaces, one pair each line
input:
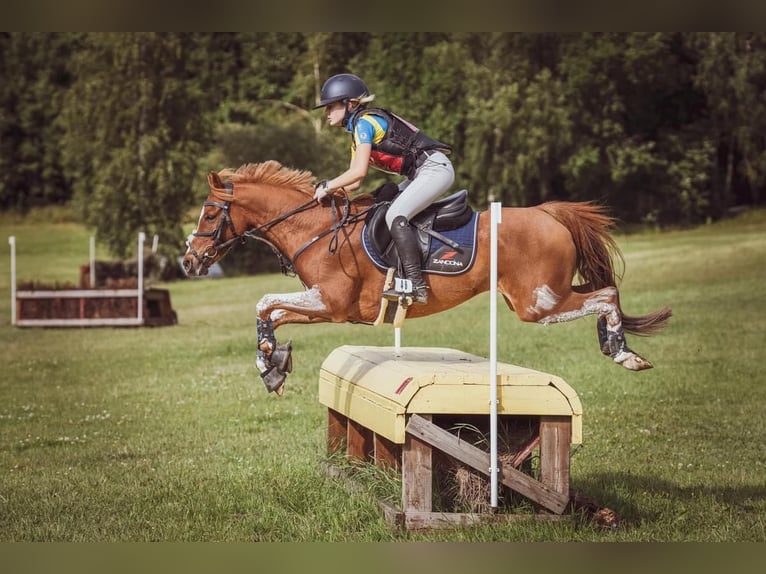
[335,113]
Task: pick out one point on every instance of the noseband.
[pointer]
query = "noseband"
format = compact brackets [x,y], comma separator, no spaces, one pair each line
[224,222]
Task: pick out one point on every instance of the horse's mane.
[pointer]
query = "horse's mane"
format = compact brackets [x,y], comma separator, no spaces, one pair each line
[273,173]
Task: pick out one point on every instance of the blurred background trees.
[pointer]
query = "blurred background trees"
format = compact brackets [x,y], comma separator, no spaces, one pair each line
[664,128]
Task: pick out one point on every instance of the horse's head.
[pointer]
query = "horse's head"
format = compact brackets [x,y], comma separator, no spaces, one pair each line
[216,229]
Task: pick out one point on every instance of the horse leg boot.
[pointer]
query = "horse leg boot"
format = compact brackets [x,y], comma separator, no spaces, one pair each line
[614,345]
[273,360]
[407,246]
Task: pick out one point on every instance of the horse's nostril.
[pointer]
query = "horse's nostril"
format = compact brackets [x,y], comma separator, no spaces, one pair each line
[187,265]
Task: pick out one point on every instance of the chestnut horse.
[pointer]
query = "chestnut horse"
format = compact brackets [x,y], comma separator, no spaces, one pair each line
[542,249]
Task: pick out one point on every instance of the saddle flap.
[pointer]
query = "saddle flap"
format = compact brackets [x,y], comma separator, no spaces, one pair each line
[452,216]
[452,212]
[380,236]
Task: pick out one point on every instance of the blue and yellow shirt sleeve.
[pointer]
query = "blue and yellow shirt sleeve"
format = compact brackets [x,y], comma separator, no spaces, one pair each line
[370,129]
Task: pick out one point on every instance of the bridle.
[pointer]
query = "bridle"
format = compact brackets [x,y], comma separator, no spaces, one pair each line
[224,222]
[287,265]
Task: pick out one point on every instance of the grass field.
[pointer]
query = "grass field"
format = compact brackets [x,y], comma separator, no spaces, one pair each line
[168,434]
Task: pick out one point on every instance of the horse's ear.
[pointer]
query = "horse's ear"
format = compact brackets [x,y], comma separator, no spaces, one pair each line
[214,180]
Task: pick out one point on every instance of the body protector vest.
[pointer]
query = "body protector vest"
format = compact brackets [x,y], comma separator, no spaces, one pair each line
[401,146]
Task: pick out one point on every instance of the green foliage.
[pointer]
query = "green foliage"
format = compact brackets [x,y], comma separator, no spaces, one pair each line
[35,78]
[663,127]
[135,123]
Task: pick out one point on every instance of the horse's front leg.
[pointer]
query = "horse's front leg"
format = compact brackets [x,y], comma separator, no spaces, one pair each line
[274,359]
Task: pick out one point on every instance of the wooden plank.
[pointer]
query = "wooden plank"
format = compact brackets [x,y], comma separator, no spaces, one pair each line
[414,520]
[336,431]
[392,515]
[102,322]
[524,453]
[478,459]
[555,437]
[386,452]
[76,293]
[417,474]
[361,404]
[472,399]
[358,441]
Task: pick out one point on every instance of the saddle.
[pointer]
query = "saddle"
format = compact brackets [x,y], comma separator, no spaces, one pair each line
[446,232]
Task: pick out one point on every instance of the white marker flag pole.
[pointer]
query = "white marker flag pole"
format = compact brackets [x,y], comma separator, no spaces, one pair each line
[493,469]
[141,239]
[12,243]
[92,262]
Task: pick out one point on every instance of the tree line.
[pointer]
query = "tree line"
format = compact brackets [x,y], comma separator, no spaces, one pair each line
[664,128]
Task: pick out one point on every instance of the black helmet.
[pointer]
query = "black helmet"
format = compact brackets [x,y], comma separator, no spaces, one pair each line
[342,87]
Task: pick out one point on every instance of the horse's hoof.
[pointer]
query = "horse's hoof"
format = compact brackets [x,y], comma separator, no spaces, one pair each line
[632,362]
[281,358]
[274,380]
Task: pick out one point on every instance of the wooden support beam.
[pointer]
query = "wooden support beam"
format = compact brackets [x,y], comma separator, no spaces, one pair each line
[387,453]
[336,431]
[525,452]
[358,441]
[417,474]
[420,428]
[555,437]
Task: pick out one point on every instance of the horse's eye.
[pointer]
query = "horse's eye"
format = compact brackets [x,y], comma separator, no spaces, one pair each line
[210,217]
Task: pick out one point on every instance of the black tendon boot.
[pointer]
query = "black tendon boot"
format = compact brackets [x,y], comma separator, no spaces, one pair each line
[407,246]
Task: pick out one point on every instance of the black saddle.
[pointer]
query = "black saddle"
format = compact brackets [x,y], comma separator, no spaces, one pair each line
[446,214]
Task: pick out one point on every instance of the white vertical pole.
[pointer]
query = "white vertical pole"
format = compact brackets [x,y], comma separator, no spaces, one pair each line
[141,239]
[92,262]
[397,341]
[493,470]
[12,243]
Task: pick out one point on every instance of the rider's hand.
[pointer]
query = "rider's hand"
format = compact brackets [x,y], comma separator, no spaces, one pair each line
[321,189]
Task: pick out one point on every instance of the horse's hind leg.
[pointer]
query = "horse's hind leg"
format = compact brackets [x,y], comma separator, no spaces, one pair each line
[605,303]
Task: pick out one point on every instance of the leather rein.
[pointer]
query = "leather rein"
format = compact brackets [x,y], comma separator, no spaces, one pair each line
[286,264]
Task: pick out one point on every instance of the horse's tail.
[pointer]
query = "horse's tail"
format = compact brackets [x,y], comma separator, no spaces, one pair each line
[597,251]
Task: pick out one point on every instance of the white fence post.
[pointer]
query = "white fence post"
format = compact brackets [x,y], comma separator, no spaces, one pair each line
[92,262]
[12,243]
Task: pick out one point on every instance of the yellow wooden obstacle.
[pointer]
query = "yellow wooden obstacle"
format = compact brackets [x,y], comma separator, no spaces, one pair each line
[390,406]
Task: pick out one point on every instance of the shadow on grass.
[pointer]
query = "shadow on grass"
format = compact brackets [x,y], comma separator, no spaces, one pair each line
[644,499]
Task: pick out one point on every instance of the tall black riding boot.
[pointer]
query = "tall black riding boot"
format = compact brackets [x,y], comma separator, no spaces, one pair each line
[407,246]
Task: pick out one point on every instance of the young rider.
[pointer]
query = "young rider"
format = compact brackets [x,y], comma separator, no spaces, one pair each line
[388,143]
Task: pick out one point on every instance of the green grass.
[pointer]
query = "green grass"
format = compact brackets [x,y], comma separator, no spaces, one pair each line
[168,434]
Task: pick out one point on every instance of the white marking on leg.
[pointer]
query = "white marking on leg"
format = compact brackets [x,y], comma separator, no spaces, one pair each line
[546,300]
[600,303]
[276,314]
[308,300]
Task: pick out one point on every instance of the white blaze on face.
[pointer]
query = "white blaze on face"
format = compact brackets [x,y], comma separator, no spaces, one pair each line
[546,300]
[190,237]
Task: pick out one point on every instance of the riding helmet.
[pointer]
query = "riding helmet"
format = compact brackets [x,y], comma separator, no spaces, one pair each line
[342,87]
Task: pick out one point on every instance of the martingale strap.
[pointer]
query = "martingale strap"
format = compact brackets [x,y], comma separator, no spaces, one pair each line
[337,224]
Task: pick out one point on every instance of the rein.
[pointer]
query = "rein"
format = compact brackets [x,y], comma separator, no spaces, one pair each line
[286,264]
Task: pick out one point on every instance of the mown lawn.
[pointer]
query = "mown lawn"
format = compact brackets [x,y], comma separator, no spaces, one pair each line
[168,434]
